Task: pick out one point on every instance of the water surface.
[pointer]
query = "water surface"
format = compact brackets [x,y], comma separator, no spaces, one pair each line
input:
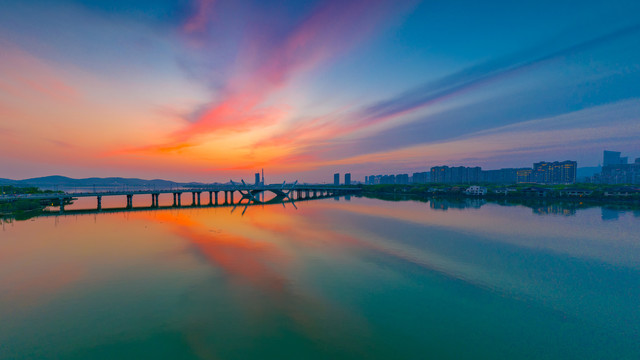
[354,279]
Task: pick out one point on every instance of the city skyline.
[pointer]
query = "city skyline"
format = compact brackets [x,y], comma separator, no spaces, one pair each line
[211,90]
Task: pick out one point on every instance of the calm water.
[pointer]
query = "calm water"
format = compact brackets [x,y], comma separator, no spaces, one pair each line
[329,280]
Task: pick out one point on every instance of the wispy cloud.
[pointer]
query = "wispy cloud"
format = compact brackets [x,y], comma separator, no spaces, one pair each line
[318,135]
[269,63]
[201,17]
[561,135]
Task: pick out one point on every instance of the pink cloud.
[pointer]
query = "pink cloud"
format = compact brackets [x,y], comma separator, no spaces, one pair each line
[200,19]
[268,67]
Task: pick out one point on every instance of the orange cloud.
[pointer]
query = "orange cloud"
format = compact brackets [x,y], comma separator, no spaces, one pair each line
[249,101]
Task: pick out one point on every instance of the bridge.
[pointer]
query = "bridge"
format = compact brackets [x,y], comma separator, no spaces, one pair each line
[250,193]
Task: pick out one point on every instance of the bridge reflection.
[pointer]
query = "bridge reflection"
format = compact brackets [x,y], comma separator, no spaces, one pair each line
[243,203]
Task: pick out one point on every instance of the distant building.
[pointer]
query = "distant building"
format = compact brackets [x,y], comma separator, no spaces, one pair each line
[613,158]
[620,174]
[388,179]
[576,192]
[336,179]
[501,176]
[524,176]
[476,190]
[440,174]
[402,179]
[347,179]
[617,170]
[554,172]
[455,175]
[257,179]
[420,177]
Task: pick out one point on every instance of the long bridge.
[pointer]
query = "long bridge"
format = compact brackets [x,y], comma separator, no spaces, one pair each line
[251,193]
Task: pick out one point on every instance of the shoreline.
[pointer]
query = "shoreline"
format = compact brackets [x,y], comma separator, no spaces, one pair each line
[578,202]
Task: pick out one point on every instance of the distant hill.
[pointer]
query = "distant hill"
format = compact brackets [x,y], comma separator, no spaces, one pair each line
[63,181]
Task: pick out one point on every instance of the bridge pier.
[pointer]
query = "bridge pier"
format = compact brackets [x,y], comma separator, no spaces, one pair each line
[253,193]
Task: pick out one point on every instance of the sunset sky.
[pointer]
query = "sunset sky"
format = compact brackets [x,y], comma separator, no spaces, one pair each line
[208,90]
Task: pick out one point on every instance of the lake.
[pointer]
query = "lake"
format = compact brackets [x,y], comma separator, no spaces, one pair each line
[347,278]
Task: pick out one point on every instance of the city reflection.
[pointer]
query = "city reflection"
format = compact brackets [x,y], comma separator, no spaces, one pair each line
[537,206]
[466,203]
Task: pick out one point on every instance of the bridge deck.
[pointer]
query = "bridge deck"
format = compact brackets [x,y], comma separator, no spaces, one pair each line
[218,188]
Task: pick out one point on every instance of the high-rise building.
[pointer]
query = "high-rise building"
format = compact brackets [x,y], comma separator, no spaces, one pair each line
[457,175]
[420,177]
[554,172]
[257,179]
[541,173]
[501,176]
[388,179]
[617,170]
[347,179]
[612,158]
[336,179]
[402,179]
[524,176]
[440,174]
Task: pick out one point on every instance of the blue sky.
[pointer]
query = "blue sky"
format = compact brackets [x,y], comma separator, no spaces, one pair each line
[207,90]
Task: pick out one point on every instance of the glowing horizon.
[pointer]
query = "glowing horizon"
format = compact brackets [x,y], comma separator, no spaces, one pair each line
[211,90]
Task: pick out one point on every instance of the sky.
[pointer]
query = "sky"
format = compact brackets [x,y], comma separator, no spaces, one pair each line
[212,90]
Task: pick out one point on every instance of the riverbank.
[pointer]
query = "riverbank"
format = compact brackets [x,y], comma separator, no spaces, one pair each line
[592,194]
[23,209]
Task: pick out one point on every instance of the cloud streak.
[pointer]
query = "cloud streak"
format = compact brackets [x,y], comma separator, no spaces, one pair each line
[270,62]
[320,135]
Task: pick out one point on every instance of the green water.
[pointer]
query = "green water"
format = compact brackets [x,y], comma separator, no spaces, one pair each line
[358,279]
